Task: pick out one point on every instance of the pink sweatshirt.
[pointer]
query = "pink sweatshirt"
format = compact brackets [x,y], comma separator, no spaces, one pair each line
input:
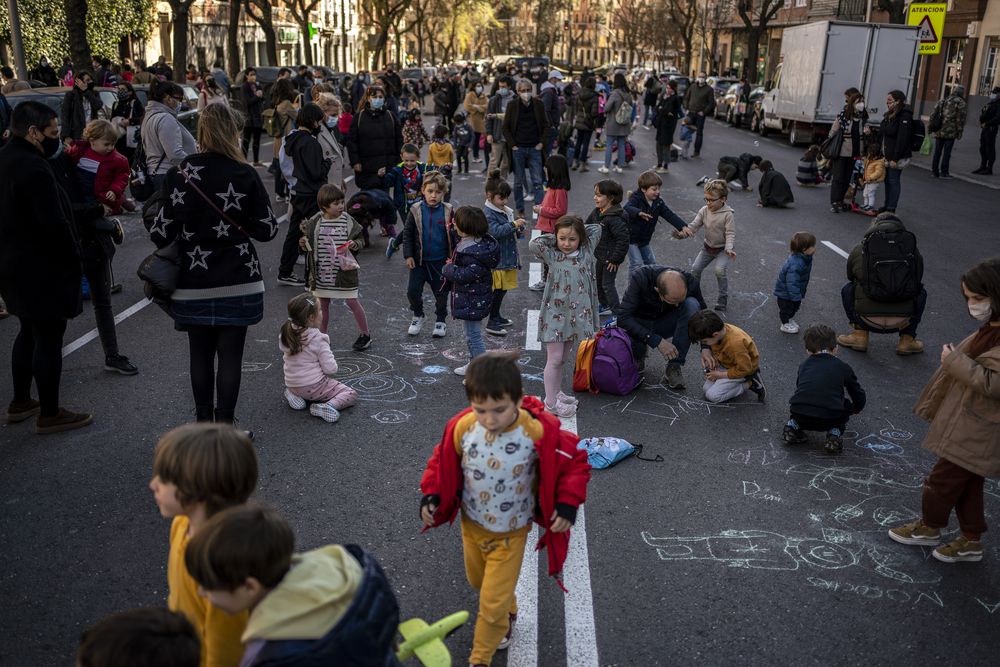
[554,206]
[312,364]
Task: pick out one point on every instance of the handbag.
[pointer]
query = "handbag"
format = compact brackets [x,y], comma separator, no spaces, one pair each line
[834,142]
[160,271]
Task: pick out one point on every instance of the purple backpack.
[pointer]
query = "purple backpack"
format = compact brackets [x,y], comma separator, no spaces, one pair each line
[614,370]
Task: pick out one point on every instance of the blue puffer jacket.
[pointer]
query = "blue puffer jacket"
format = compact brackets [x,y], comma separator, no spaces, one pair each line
[471,275]
[502,229]
[794,277]
[364,637]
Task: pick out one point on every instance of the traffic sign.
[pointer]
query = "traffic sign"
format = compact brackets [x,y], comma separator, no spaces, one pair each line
[929,19]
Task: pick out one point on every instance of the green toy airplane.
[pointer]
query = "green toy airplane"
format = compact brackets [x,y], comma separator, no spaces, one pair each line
[426,641]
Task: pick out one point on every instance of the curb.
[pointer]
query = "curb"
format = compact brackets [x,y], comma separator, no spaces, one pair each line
[960,177]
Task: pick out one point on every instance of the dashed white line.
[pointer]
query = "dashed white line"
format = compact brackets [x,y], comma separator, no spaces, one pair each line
[92,334]
[523,651]
[840,251]
[531,341]
[581,632]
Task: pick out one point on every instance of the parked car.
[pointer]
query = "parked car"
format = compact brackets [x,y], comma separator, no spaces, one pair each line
[187,115]
[52,97]
[411,74]
[682,82]
[728,101]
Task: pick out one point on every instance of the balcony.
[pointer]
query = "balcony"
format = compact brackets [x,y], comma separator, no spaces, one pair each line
[852,10]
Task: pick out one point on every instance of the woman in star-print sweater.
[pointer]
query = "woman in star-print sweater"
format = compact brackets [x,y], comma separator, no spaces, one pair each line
[215,207]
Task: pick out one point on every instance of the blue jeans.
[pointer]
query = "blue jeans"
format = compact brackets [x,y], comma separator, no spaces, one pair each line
[942,156]
[609,148]
[919,303]
[530,158]
[673,325]
[649,114]
[474,337]
[892,188]
[638,255]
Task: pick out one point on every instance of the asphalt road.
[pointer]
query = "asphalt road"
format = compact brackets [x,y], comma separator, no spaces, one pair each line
[733,550]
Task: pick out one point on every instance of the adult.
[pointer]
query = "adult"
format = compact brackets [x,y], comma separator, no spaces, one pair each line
[344,89]
[454,87]
[549,95]
[773,187]
[217,208]
[221,77]
[65,72]
[40,271]
[475,104]
[252,96]
[441,101]
[164,139]
[80,106]
[211,93]
[127,113]
[525,126]
[952,110]
[374,140]
[391,100]
[668,112]
[897,134]
[742,102]
[394,84]
[989,122]
[657,305]
[103,76]
[309,172]
[11,83]
[331,140]
[162,70]
[495,112]
[303,81]
[868,315]
[358,89]
[961,401]
[6,112]
[616,133]
[285,100]
[850,124]
[651,92]
[584,121]
[143,75]
[45,73]
[699,99]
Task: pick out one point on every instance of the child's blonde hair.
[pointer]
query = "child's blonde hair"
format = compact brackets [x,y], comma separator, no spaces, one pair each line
[437,178]
[717,187]
[301,309]
[100,129]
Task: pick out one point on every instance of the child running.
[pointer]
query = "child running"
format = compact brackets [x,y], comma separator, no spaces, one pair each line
[331,238]
[644,209]
[554,205]
[613,246]
[719,222]
[199,470]
[504,462]
[729,358]
[793,279]
[428,241]
[505,229]
[309,363]
[569,303]
[471,274]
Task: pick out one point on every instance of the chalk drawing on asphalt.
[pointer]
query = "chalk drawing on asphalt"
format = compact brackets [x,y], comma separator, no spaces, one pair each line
[391,417]
[372,377]
[754,549]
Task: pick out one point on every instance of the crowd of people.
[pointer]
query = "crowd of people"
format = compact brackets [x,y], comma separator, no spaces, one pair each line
[239,591]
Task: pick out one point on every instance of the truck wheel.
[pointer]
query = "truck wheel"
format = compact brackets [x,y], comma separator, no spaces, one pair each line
[793,134]
[761,128]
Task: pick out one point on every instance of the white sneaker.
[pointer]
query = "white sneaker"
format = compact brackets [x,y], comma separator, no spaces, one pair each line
[618,170]
[561,409]
[537,287]
[415,326]
[461,369]
[294,402]
[529,197]
[790,327]
[566,398]
[440,330]
[324,411]
[603,170]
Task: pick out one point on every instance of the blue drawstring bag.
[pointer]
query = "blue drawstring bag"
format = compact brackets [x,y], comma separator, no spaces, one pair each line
[604,452]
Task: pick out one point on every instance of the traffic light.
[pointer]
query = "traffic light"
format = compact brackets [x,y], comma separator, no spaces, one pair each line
[566,24]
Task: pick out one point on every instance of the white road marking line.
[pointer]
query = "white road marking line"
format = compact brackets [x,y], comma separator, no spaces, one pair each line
[581,633]
[92,334]
[531,341]
[836,249]
[349,178]
[535,233]
[523,651]
[534,272]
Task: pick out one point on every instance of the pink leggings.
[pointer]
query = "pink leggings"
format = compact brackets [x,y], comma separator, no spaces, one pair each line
[356,308]
[555,356]
[328,390]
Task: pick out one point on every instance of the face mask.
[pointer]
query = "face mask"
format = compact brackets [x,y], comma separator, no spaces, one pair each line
[699,80]
[51,147]
[504,92]
[479,89]
[331,122]
[377,102]
[981,311]
[860,106]
[525,96]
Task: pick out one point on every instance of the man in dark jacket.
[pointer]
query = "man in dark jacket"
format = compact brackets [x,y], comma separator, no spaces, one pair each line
[162,70]
[524,127]
[585,120]
[989,122]
[40,269]
[773,187]
[80,106]
[45,73]
[549,96]
[699,100]
[657,305]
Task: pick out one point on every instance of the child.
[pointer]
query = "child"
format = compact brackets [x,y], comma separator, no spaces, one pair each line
[413,130]
[736,170]
[793,279]
[149,637]
[569,304]
[807,174]
[613,246]
[773,189]
[874,175]
[428,240]
[686,136]
[461,137]
[332,238]
[505,462]
[346,118]
[644,209]
[553,206]
[406,180]
[199,470]
[441,155]
[818,403]
[729,358]
[328,606]
[367,206]
[720,236]
[471,274]
[103,171]
[309,363]
[506,230]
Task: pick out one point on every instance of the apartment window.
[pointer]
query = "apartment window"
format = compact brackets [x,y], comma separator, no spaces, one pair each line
[801,3]
[991,55]
[955,50]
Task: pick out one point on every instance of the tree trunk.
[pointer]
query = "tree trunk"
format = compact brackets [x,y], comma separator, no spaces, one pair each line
[753,50]
[307,52]
[233,37]
[181,22]
[76,28]
[271,44]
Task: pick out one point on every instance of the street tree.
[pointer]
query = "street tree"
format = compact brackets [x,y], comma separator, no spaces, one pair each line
[756,15]
[76,33]
[262,13]
[233,36]
[383,15]
[630,19]
[682,17]
[896,9]
[181,10]
[301,9]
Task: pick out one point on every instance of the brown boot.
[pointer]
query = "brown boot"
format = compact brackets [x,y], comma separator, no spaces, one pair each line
[909,345]
[857,340]
[64,420]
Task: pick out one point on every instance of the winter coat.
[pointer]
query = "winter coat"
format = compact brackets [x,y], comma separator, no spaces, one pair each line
[855,273]
[897,133]
[586,109]
[640,230]
[325,277]
[131,109]
[668,113]
[989,115]
[642,306]
[554,205]
[335,153]
[510,118]
[569,310]
[613,246]
[313,363]
[415,133]
[563,473]
[96,245]
[807,172]
[475,107]
[652,89]
[253,106]
[502,229]
[953,110]
[471,276]
[413,232]
[441,100]
[874,170]
[774,189]
[962,403]
[309,167]
[394,179]
[40,269]
[496,108]
[720,227]
[820,385]
[373,142]
[549,96]
[73,115]
[742,164]
[165,140]
[853,130]
[461,136]
[793,278]
[612,127]
[107,173]
[700,98]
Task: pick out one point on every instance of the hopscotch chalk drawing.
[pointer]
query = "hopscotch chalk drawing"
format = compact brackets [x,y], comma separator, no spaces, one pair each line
[372,377]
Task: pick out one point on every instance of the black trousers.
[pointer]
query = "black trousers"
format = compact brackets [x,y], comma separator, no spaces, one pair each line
[37,354]
[840,174]
[988,147]
[303,208]
[810,423]
[252,134]
[216,389]
[98,273]
[787,309]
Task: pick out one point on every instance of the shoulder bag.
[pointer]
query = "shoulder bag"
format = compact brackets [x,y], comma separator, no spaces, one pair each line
[834,142]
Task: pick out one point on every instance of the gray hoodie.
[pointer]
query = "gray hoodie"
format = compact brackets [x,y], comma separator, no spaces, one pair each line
[165,140]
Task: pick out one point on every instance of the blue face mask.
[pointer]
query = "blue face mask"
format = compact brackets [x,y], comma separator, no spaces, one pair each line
[331,122]
[377,102]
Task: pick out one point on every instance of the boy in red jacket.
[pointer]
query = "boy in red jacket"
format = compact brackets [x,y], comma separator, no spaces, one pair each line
[103,171]
[506,463]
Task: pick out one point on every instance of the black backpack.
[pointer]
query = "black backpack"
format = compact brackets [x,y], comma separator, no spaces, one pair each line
[917,135]
[936,121]
[892,268]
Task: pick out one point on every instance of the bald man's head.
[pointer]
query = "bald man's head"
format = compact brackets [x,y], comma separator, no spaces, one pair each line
[672,287]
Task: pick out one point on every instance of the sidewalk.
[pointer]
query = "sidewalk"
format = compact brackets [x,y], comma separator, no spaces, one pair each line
[964,158]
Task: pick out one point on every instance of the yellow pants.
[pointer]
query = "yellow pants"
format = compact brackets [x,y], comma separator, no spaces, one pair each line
[492,564]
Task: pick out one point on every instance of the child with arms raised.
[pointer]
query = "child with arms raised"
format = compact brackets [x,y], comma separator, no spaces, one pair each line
[554,206]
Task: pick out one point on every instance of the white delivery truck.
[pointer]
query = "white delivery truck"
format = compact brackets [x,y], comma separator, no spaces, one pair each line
[819,61]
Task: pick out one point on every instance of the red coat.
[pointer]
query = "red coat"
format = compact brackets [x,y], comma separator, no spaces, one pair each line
[563,475]
[110,172]
[554,206]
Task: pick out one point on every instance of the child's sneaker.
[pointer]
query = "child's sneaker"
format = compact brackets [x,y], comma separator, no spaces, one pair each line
[416,325]
[440,330]
[294,402]
[567,399]
[561,409]
[959,550]
[324,411]
[794,436]
[363,342]
[834,444]
[537,287]
[603,170]
[757,387]
[789,327]
[495,328]
[509,637]
[461,370]
[916,533]
[702,181]
[391,248]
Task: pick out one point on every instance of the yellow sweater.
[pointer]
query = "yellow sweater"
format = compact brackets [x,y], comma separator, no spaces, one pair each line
[218,631]
[440,154]
[737,352]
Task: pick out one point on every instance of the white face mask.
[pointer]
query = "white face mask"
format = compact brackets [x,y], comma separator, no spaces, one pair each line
[859,106]
[699,80]
[525,96]
[479,89]
[981,311]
